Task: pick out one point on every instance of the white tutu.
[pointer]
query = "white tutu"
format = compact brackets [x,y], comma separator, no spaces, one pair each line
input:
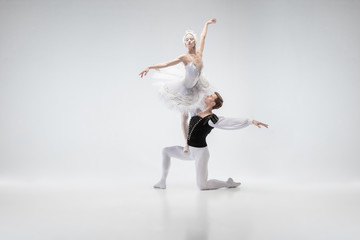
[182,88]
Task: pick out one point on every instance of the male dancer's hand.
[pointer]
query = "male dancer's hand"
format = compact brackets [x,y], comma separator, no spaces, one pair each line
[259,124]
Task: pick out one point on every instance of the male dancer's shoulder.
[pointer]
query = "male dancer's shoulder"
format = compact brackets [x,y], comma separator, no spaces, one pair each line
[211,117]
[214,118]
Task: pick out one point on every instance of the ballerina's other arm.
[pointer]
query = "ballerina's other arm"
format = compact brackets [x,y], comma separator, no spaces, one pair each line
[203,34]
[162,65]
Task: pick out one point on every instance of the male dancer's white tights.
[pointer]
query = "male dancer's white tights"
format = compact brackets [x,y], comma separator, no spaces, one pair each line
[201,157]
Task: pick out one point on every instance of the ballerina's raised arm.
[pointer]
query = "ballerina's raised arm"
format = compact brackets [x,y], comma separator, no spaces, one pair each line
[203,34]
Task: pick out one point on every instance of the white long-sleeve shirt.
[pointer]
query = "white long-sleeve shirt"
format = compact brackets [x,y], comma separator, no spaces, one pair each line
[200,127]
[230,123]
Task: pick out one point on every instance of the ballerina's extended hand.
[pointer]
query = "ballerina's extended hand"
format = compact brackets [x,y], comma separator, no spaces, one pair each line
[144,72]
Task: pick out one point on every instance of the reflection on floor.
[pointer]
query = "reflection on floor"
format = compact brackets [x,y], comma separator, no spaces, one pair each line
[253,211]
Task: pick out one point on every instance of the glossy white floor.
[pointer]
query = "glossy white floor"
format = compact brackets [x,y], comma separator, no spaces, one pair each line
[257,210]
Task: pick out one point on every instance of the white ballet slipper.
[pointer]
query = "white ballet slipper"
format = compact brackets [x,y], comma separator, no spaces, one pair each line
[232,184]
[160,185]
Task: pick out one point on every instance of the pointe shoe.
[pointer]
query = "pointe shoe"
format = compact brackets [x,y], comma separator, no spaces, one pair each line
[186,149]
[232,184]
[160,185]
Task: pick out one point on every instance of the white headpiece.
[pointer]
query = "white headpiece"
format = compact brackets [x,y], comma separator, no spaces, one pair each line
[189,32]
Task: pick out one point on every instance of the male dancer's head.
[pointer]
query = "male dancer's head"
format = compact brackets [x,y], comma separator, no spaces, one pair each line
[214,101]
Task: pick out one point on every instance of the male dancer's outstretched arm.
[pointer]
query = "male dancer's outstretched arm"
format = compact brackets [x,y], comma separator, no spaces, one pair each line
[235,123]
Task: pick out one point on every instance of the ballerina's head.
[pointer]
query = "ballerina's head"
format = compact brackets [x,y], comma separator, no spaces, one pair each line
[189,39]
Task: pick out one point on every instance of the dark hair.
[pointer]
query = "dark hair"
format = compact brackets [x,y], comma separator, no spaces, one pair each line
[218,101]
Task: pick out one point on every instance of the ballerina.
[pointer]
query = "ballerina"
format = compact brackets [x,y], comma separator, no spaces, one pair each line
[188,91]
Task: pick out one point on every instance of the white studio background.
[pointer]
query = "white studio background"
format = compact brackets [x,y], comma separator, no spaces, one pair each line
[73,107]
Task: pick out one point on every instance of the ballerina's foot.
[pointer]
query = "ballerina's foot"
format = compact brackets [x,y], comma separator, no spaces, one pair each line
[160,185]
[232,184]
[186,149]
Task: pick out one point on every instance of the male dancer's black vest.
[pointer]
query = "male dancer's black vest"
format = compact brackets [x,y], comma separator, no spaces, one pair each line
[199,129]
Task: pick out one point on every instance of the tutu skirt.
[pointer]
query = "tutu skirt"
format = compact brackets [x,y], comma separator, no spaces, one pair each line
[180,90]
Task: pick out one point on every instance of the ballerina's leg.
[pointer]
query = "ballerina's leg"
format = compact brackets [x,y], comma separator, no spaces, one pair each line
[185,129]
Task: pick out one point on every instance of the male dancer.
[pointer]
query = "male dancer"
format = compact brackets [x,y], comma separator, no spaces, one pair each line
[200,126]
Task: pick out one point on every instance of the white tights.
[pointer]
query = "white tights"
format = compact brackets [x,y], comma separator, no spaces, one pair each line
[201,157]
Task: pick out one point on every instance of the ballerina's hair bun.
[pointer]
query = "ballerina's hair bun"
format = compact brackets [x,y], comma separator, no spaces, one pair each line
[189,32]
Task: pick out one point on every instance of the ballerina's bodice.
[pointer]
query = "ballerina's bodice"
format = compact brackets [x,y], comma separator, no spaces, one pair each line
[192,74]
